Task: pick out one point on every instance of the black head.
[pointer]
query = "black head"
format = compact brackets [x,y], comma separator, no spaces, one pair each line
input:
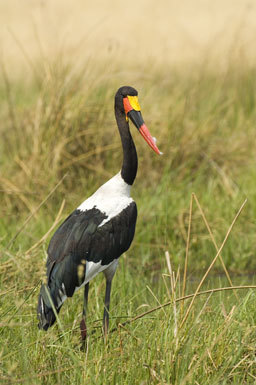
[127,107]
[127,90]
[123,92]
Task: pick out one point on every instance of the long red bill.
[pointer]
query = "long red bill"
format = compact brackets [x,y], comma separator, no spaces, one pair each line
[132,110]
[148,138]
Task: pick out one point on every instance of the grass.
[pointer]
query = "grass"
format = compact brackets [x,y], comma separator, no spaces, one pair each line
[58,144]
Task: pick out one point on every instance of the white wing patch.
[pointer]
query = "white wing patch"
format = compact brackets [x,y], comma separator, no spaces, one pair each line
[111,198]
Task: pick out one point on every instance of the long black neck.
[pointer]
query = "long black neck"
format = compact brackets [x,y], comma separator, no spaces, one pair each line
[130,159]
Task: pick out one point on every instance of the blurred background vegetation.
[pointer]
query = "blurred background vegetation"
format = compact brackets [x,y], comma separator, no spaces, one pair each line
[194,66]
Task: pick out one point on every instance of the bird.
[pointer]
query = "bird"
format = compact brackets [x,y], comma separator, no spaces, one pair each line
[99,231]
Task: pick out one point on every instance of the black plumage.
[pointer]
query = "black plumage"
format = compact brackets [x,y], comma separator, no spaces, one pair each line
[78,240]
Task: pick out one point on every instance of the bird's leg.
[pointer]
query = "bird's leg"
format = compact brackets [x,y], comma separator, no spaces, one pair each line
[109,274]
[82,323]
[106,307]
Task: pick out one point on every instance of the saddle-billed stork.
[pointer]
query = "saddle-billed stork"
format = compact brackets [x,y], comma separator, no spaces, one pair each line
[100,230]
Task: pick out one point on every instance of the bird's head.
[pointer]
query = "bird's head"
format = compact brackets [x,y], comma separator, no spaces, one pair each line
[126,101]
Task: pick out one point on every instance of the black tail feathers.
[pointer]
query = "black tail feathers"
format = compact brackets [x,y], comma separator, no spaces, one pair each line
[45,313]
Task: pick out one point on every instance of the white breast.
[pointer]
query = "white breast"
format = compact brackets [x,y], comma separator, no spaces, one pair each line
[111,198]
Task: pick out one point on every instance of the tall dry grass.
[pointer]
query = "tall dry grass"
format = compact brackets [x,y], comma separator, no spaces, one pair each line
[64,125]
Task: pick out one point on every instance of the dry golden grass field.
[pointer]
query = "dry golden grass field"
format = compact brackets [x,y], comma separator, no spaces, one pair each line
[132,32]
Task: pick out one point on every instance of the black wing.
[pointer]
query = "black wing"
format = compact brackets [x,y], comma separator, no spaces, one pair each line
[80,238]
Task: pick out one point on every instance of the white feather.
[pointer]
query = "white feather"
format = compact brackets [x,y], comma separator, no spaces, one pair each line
[111,198]
[92,269]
